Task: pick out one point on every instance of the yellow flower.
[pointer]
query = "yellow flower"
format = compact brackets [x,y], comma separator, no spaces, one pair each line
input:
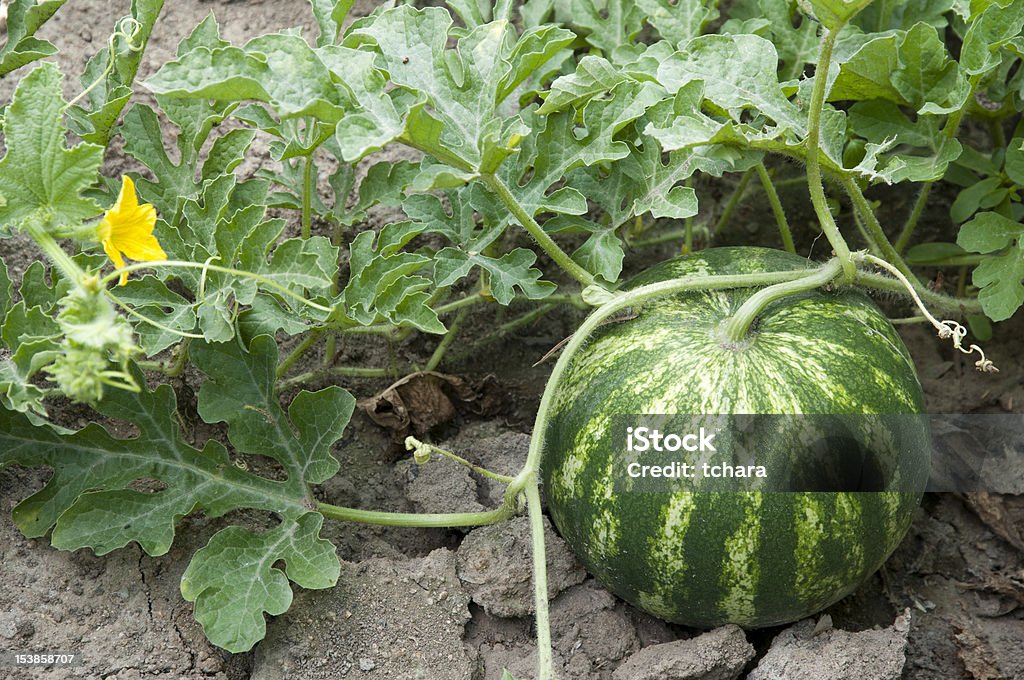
[127,230]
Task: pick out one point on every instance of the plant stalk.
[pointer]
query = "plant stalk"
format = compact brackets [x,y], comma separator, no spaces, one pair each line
[545,662]
[915,215]
[58,256]
[554,251]
[307,196]
[814,180]
[413,519]
[738,325]
[733,202]
[780,214]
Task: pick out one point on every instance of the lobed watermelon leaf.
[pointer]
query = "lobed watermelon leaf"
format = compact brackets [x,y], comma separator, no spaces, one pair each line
[24,18]
[1000,277]
[93,499]
[40,178]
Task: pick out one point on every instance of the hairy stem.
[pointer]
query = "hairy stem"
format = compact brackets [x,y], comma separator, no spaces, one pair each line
[874,227]
[738,325]
[780,214]
[548,244]
[545,663]
[58,256]
[413,519]
[424,450]
[446,341]
[814,180]
[935,300]
[269,283]
[297,353]
[733,202]
[910,225]
[307,196]
[341,372]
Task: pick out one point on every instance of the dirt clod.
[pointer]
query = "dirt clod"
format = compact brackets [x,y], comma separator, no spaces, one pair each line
[720,654]
[798,654]
[495,566]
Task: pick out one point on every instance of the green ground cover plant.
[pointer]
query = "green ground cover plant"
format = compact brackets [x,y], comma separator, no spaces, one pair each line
[554,137]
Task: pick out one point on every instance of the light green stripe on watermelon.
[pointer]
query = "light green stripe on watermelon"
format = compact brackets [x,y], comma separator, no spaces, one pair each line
[741,574]
[751,558]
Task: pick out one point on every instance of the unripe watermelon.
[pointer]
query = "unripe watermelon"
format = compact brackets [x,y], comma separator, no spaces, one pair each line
[753,558]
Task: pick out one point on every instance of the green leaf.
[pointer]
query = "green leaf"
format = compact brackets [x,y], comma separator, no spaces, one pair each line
[39,335]
[227,153]
[91,501]
[455,91]
[977,196]
[834,13]
[926,75]
[594,76]
[382,285]
[221,577]
[376,119]
[511,270]
[329,15]
[560,144]
[1014,163]
[988,232]
[700,141]
[606,24]
[678,20]
[739,74]
[280,69]
[227,226]
[40,178]
[999,277]
[910,69]
[5,291]
[988,33]
[794,35]
[932,253]
[152,298]
[176,183]
[17,393]
[602,254]
[24,17]
[114,89]
[266,316]
[535,49]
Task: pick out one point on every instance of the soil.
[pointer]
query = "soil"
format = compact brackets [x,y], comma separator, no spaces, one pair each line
[949,605]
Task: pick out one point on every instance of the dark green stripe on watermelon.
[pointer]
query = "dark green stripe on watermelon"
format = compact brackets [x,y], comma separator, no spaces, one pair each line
[751,558]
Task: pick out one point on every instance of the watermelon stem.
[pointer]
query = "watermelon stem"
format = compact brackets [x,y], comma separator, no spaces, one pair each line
[814,181]
[545,666]
[526,220]
[735,329]
[422,450]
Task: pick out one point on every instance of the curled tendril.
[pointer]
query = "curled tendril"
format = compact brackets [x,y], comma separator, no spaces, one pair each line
[947,328]
[130,30]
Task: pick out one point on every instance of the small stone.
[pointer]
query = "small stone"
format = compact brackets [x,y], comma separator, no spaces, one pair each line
[720,654]
[366,664]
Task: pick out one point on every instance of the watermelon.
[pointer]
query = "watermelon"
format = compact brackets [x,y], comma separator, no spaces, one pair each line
[756,558]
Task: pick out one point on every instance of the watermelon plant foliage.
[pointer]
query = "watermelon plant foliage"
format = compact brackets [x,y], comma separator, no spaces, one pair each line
[533,150]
